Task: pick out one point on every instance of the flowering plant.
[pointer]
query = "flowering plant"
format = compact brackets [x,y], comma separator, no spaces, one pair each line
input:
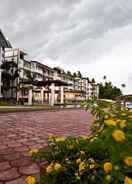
[104,156]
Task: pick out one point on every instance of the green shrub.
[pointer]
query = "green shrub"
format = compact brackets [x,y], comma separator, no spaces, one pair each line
[4,103]
[104,156]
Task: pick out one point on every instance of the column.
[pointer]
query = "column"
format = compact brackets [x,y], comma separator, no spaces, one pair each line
[62,94]
[42,95]
[30,97]
[0,82]
[18,95]
[52,101]
[49,98]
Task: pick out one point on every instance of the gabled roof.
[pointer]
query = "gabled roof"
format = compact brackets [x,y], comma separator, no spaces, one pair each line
[3,41]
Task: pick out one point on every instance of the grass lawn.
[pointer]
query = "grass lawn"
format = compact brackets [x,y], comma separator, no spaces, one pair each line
[24,108]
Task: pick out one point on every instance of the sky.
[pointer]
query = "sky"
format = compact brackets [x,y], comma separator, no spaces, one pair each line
[93,36]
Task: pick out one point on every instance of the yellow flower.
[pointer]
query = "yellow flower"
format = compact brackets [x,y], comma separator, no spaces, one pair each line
[118,120]
[127,180]
[51,136]
[82,166]
[30,180]
[108,167]
[123,124]
[33,151]
[93,139]
[92,166]
[123,114]
[89,136]
[57,167]
[128,161]
[118,135]
[106,116]
[91,160]
[61,139]
[78,161]
[130,116]
[49,168]
[84,137]
[110,122]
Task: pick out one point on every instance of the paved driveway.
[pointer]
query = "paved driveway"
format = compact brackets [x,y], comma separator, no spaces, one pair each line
[21,131]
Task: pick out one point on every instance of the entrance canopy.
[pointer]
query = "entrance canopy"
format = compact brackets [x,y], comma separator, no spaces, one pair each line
[49,82]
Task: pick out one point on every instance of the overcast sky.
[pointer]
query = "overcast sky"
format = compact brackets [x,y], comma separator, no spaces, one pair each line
[93,36]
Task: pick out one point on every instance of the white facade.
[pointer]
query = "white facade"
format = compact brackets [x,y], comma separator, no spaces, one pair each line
[2,55]
[78,89]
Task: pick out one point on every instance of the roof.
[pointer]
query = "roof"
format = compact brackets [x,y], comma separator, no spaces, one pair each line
[49,82]
[58,68]
[42,65]
[22,52]
[3,41]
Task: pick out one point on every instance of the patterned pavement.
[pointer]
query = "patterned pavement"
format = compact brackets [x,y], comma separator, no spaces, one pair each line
[21,131]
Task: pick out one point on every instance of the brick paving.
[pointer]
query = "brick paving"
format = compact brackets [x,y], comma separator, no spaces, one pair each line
[21,131]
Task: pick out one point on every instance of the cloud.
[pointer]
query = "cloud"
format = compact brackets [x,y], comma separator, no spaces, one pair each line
[76,34]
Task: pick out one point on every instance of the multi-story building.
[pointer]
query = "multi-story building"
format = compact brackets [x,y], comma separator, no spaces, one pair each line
[4,43]
[25,75]
[79,88]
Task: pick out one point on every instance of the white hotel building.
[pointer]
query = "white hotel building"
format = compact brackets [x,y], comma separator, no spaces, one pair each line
[34,80]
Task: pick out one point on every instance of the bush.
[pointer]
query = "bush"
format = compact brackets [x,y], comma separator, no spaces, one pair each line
[104,157]
[4,103]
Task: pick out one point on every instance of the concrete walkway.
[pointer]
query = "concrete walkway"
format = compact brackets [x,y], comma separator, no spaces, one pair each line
[24,130]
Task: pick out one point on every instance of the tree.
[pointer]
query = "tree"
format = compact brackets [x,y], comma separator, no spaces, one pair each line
[104,77]
[69,73]
[74,75]
[108,91]
[79,74]
[88,79]
[93,80]
[123,85]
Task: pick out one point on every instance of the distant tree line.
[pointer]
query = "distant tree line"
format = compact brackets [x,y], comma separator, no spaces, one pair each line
[109,91]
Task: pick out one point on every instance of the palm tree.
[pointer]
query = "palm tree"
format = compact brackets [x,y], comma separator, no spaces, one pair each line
[123,85]
[79,74]
[74,75]
[69,73]
[88,79]
[93,80]
[104,77]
